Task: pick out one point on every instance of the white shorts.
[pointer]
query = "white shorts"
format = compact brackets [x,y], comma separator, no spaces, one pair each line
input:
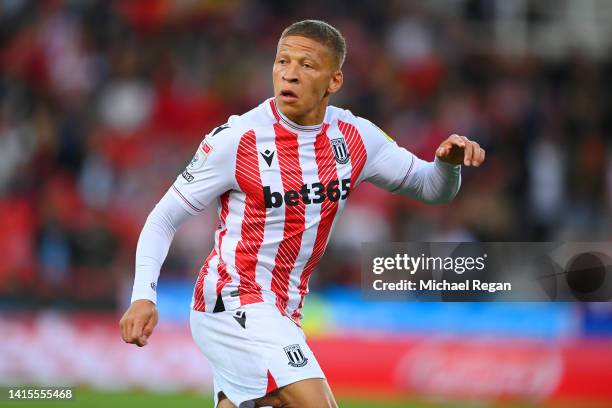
[248,362]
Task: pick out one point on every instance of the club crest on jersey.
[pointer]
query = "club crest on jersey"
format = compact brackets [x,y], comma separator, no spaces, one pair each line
[340,150]
[295,355]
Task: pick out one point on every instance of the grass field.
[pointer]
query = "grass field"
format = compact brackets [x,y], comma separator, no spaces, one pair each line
[132,399]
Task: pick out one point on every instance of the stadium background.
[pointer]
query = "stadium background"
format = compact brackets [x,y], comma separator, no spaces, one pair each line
[102,104]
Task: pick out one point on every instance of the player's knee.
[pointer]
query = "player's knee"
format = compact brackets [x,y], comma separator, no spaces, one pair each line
[270,400]
[311,393]
[310,403]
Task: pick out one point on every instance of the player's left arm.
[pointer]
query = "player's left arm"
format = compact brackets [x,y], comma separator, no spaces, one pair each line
[457,150]
[398,170]
[438,182]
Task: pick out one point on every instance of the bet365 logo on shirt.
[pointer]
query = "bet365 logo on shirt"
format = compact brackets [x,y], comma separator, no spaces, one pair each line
[334,190]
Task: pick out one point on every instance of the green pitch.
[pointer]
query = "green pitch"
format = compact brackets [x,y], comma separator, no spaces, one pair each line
[134,399]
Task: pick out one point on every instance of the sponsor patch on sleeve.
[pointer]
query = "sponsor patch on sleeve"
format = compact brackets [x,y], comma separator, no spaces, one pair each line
[200,157]
[205,147]
[187,176]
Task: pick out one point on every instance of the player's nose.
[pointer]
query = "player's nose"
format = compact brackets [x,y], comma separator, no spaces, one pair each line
[290,74]
[290,79]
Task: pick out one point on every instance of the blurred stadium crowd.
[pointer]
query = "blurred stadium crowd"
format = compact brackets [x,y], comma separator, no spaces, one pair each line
[102,104]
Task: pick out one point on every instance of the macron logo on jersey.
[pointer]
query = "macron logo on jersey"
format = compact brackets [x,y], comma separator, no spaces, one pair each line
[268,156]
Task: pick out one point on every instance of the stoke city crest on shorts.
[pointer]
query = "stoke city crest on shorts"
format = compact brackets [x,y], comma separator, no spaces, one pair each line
[295,355]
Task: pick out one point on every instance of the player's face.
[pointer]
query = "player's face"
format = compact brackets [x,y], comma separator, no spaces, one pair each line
[305,73]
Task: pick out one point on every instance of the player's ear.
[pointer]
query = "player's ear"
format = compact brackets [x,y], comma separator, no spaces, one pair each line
[335,82]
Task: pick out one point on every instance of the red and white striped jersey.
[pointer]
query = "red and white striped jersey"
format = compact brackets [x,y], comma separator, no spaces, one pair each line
[280,189]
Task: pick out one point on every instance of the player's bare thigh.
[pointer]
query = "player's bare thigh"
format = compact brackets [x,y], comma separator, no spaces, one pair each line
[309,393]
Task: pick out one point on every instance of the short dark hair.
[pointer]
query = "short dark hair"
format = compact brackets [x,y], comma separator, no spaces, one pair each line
[321,32]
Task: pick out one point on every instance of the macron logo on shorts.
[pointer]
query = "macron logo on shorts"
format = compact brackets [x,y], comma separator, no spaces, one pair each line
[240,317]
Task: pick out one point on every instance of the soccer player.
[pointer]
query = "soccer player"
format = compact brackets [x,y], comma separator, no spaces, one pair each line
[280,175]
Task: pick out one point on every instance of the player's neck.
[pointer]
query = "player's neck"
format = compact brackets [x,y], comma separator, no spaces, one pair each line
[313,117]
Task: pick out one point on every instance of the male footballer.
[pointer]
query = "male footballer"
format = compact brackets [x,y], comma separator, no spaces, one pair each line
[280,176]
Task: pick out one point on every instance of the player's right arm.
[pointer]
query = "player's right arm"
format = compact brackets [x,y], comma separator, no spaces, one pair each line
[139,320]
[210,174]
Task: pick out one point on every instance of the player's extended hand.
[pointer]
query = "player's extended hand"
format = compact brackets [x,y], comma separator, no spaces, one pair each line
[460,150]
[138,322]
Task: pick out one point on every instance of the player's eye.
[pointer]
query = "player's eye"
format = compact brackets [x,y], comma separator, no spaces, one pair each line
[282,61]
[307,65]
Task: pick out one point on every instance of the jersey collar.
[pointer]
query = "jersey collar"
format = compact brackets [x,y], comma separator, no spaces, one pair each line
[290,125]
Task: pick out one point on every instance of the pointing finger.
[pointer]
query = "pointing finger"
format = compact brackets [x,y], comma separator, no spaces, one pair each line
[468,152]
[476,154]
[481,156]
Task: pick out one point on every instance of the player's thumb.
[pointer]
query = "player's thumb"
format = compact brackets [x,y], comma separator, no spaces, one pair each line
[442,151]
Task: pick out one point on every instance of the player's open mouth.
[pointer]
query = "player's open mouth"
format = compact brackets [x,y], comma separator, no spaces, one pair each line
[288,96]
